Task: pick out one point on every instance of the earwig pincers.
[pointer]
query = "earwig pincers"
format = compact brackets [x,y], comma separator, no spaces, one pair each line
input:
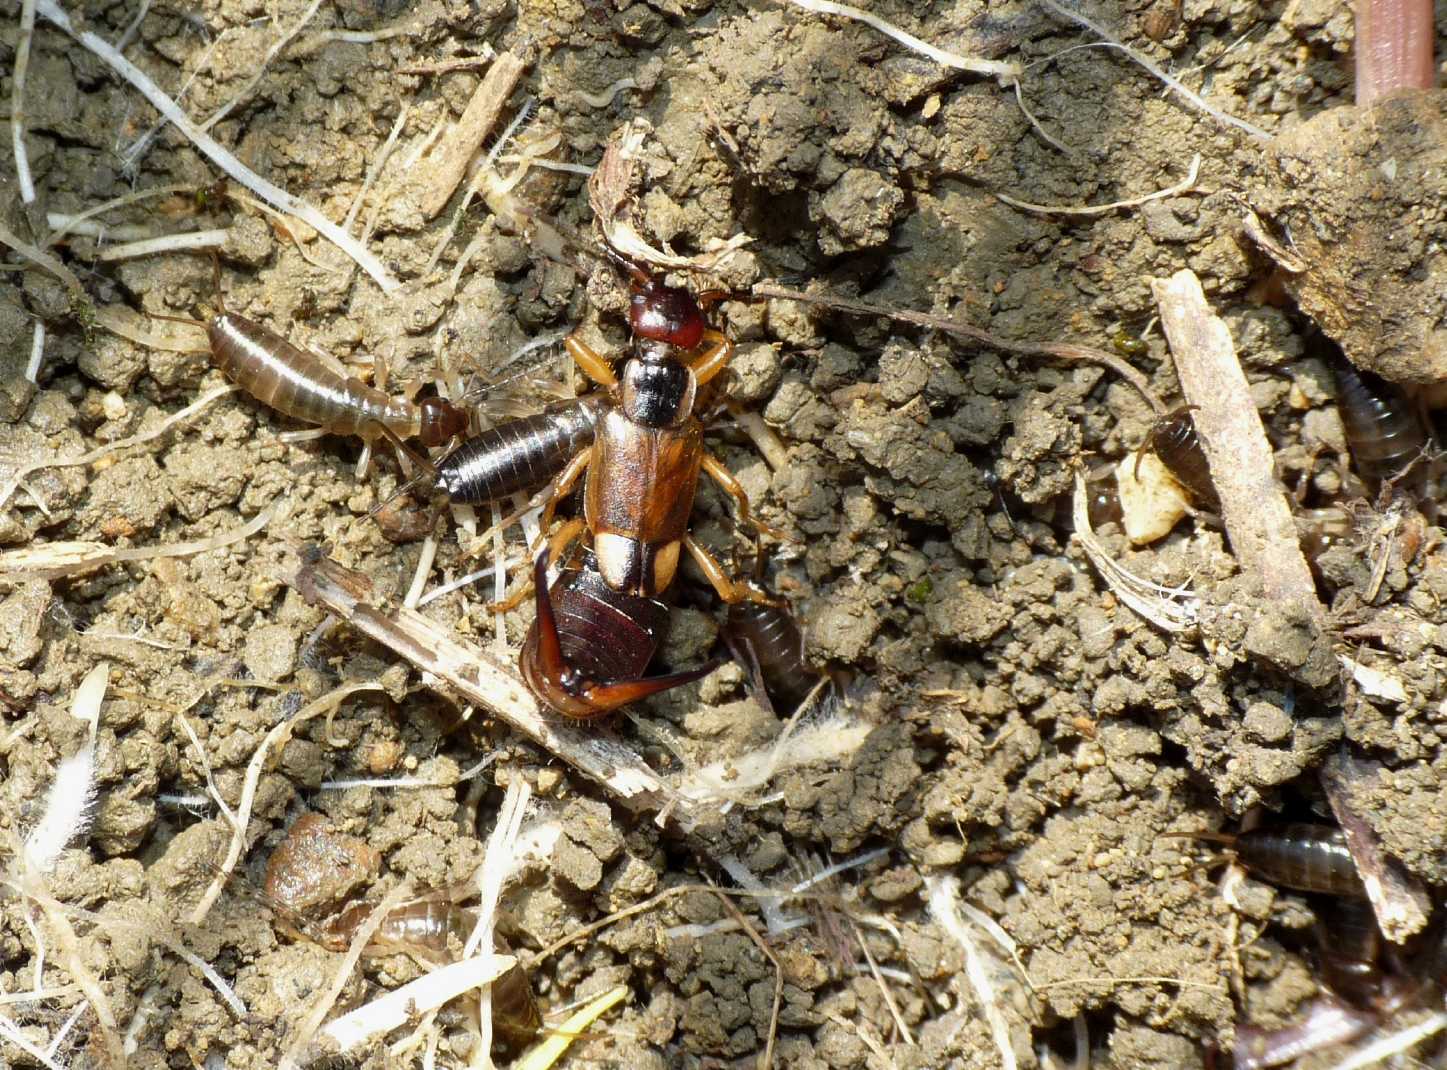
[589,645]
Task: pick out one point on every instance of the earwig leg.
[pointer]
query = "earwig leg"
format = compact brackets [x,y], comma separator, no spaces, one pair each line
[404,450]
[731,486]
[548,497]
[715,358]
[594,366]
[728,588]
[364,461]
[566,535]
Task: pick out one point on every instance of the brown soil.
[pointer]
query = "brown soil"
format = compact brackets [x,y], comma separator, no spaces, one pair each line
[1034,736]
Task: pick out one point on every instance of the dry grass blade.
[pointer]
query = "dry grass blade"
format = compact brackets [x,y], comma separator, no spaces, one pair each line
[1172,609]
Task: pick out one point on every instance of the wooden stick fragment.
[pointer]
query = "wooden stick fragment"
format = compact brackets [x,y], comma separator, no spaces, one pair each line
[433,181]
[453,667]
[1253,503]
[1398,898]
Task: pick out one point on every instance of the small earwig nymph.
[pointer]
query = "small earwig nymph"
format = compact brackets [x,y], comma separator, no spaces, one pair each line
[1303,857]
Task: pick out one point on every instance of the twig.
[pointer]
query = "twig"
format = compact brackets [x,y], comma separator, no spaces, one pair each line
[278,733]
[1006,72]
[17,101]
[454,667]
[56,559]
[431,185]
[1053,350]
[1108,40]
[218,154]
[1182,186]
[37,354]
[167,243]
[1253,505]
[1398,898]
[41,259]
[1394,1043]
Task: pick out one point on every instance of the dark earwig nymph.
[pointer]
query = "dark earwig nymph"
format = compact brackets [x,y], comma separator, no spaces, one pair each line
[1176,442]
[520,454]
[1383,431]
[1303,857]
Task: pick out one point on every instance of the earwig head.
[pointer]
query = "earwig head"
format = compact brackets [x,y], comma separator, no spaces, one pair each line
[665,314]
[441,420]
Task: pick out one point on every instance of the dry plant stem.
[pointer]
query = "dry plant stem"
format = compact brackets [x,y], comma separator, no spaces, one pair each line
[278,735]
[217,153]
[168,243]
[17,102]
[1173,83]
[72,222]
[50,561]
[1253,505]
[1399,899]
[1006,72]
[1184,186]
[1051,350]
[430,990]
[460,669]
[1397,1043]
[434,182]
[1393,47]
[558,1040]
[41,259]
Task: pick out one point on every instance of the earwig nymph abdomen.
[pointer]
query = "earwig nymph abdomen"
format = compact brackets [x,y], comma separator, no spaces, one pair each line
[1307,858]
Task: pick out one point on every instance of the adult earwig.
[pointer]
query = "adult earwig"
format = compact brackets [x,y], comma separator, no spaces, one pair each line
[1303,857]
[519,454]
[589,644]
[1383,432]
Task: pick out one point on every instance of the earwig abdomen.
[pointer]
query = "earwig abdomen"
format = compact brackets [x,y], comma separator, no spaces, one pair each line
[1382,429]
[1307,858]
[1176,442]
[521,454]
[604,636]
[1350,949]
[770,638]
[298,384]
